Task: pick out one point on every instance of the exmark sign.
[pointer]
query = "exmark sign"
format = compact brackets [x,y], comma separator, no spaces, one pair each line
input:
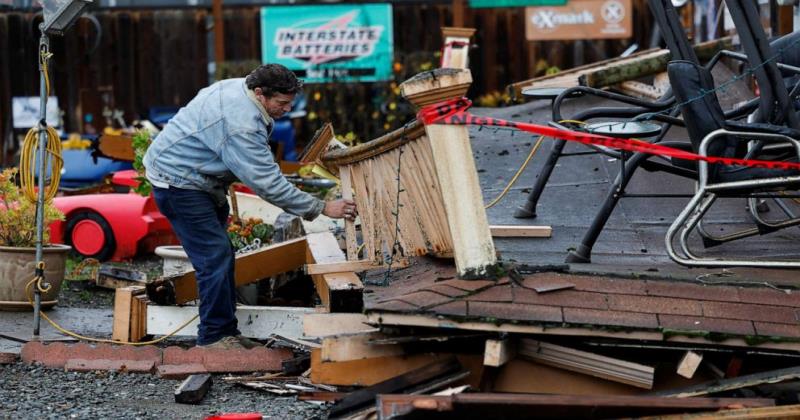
[580,19]
[350,43]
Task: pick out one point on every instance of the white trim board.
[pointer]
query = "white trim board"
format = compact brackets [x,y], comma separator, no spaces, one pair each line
[254,321]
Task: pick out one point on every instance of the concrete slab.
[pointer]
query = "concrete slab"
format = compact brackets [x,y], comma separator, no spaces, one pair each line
[16,328]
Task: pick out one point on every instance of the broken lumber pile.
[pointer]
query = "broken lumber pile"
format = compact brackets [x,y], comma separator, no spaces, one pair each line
[561,344]
[417,188]
[616,70]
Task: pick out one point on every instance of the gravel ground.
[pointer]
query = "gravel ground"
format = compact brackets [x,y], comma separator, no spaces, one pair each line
[41,393]
[37,392]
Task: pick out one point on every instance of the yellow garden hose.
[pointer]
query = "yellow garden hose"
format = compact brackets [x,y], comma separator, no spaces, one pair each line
[27,164]
[28,156]
[524,165]
[519,172]
[38,281]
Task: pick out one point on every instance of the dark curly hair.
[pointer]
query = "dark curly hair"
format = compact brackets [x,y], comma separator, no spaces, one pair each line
[272,79]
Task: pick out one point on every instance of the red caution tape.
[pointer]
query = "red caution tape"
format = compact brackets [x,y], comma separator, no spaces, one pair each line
[453,112]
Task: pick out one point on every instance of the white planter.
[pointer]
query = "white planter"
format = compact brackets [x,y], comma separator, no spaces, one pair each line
[175,260]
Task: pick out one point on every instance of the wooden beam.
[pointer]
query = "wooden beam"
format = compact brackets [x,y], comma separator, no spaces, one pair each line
[356,346]
[416,320]
[193,389]
[326,325]
[365,372]
[616,70]
[455,52]
[254,321]
[366,396]
[123,312]
[110,277]
[482,405]
[349,225]
[588,363]
[498,352]
[785,412]
[250,267]
[138,317]
[689,364]
[351,266]
[451,150]
[610,75]
[641,90]
[339,292]
[509,231]
[515,377]
[744,381]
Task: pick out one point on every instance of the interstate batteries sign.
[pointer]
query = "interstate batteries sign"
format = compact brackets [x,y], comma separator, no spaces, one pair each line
[580,19]
[330,43]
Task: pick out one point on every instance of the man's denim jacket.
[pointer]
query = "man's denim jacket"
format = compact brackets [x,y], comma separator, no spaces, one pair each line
[222,135]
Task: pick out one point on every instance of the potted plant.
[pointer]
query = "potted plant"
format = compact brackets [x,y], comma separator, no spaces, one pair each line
[17,247]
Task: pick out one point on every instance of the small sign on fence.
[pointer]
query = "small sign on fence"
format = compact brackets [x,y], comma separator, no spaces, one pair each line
[580,19]
[351,43]
[476,4]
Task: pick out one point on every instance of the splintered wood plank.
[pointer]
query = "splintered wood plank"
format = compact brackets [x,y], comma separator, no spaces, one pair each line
[588,363]
[344,348]
[785,412]
[124,316]
[498,352]
[339,292]
[473,247]
[483,405]
[432,321]
[350,266]
[432,196]
[689,364]
[254,321]
[250,267]
[508,231]
[365,210]
[193,389]
[515,377]
[365,372]
[349,225]
[417,377]
[322,325]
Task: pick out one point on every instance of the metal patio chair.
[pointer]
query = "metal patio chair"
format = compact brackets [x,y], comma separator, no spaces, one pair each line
[712,135]
[672,31]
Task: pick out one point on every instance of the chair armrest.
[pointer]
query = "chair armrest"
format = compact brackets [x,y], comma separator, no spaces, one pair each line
[648,106]
[755,128]
[785,68]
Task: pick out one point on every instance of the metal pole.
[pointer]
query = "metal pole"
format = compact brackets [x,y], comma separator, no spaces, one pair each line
[44,49]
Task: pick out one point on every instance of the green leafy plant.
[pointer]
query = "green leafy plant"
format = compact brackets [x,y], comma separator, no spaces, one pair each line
[18,215]
[244,233]
[141,141]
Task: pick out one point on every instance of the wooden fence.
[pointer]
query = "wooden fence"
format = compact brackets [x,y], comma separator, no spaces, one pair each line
[145,58]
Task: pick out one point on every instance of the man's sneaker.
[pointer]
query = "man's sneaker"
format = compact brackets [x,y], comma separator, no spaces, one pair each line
[225,343]
[247,343]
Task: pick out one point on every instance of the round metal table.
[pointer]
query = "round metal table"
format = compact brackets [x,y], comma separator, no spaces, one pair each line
[550,93]
[623,129]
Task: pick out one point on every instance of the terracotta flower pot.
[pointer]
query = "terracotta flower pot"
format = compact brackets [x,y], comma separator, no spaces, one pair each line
[17,268]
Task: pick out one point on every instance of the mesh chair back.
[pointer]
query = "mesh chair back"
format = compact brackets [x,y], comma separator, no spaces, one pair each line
[672,30]
[693,87]
[775,106]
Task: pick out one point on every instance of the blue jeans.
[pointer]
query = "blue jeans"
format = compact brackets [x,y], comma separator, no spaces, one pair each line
[201,226]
